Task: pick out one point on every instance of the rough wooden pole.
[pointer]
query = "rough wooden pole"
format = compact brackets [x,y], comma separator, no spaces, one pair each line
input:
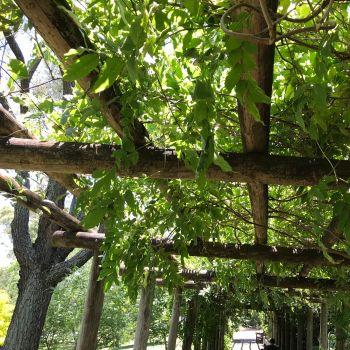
[293,332]
[145,313]
[92,310]
[190,324]
[324,326]
[300,330]
[287,330]
[174,322]
[340,338]
[274,325]
[309,329]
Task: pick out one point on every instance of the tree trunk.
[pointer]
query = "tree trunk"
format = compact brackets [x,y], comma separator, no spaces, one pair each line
[324,326]
[174,322]
[190,324]
[145,313]
[92,309]
[29,315]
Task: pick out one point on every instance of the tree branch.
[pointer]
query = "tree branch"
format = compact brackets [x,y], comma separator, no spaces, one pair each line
[63,269]
[22,244]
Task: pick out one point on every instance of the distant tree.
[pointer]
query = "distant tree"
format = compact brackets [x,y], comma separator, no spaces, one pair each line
[6,309]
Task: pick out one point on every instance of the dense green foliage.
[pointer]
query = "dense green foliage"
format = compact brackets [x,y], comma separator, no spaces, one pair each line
[175,70]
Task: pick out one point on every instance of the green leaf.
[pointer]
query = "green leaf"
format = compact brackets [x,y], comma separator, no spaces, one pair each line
[233,77]
[18,69]
[81,67]
[94,217]
[203,91]
[130,199]
[108,74]
[221,162]
[192,6]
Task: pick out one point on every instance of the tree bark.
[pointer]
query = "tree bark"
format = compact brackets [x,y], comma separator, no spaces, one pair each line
[145,314]
[30,311]
[73,157]
[87,339]
[174,321]
[324,326]
[190,323]
[309,329]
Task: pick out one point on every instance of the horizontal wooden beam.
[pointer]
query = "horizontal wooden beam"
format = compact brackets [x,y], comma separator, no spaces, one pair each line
[71,157]
[215,250]
[319,284]
[10,127]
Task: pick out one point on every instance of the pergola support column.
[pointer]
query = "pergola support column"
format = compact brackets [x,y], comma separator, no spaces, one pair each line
[190,323]
[324,326]
[175,316]
[309,329]
[300,329]
[87,339]
[145,313]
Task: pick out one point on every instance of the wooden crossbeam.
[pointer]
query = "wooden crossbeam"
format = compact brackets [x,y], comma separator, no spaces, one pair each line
[83,158]
[320,284]
[10,127]
[288,255]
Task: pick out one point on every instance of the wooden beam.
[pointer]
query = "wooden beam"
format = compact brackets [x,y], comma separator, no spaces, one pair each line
[87,339]
[330,237]
[10,127]
[145,313]
[287,255]
[55,23]
[320,284]
[82,158]
[175,317]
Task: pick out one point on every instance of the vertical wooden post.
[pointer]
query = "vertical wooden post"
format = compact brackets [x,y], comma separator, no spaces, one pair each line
[87,339]
[300,330]
[282,343]
[274,326]
[324,326]
[309,329]
[293,331]
[287,330]
[340,338]
[145,313]
[190,324]
[174,322]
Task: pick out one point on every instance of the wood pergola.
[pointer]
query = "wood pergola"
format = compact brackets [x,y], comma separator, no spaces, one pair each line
[66,161]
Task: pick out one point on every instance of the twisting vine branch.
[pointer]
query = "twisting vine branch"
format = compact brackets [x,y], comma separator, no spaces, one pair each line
[263,9]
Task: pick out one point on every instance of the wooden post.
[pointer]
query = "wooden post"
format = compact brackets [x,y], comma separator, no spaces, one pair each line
[324,326]
[145,313]
[87,339]
[190,324]
[309,329]
[287,330]
[282,330]
[293,331]
[174,322]
[300,330]
[340,338]
[274,326]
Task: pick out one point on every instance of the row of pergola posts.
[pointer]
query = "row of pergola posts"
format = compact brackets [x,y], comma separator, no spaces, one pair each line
[302,330]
